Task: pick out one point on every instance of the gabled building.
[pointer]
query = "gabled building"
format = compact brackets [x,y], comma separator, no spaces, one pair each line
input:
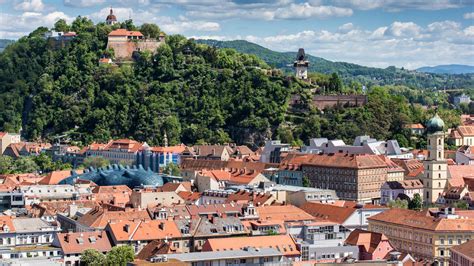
[349,214]
[465,155]
[72,245]
[406,189]
[372,246]
[462,135]
[283,243]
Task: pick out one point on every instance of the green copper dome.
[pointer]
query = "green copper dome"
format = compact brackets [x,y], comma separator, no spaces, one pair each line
[435,124]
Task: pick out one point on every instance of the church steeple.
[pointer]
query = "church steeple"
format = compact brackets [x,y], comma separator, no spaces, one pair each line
[111,19]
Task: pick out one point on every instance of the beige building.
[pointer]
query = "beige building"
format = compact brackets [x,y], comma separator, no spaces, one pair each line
[353,177]
[462,255]
[424,235]
[435,178]
[152,197]
[6,139]
[463,135]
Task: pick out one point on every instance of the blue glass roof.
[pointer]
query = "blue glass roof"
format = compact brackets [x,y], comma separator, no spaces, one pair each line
[114,175]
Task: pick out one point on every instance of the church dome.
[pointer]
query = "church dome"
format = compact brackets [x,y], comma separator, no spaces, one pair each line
[435,124]
[111,16]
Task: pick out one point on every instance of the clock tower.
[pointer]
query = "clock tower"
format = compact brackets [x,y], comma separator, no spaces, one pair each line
[435,178]
[301,65]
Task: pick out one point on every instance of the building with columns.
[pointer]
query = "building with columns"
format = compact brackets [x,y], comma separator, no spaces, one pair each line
[435,178]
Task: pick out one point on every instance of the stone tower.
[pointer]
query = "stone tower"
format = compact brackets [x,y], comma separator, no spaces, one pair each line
[435,178]
[111,19]
[301,65]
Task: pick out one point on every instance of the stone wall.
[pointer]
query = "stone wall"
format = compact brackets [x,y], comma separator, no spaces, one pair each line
[124,50]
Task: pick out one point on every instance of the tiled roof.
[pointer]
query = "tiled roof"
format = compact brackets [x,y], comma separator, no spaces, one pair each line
[338,212]
[124,32]
[283,243]
[189,196]
[466,249]
[422,220]
[366,239]
[190,164]
[2,134]
[243,196]
[454,134]
[344,160]
[457,173]
[196,210]
[76,243]
[62,207]
[171,149]
[155,247]
[287,213]
[55,177]
[215,226]
[414,126]
[140,230]
[405,184]
[99,217]
[466,131]
[6,223]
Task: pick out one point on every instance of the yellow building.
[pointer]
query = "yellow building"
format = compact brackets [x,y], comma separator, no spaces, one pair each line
[425,235]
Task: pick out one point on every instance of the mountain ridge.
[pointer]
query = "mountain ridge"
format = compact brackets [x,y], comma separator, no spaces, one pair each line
[447,69]
[350,71]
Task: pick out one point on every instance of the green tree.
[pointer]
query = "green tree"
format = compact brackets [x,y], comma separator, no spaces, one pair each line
[61,25]
[92,257]
[120,255]
[171,169]
[25,164]
[463,205]
[150,30]
[398,203]
[95,162]
[6,164]
[416,203]
[306,182]
[335,83]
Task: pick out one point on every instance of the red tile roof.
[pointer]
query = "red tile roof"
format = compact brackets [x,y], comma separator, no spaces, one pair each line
[466,131]
[76,243]
[55,177]
[337,212]
[422,220]
[343,160]
[368,240]
[283,243]
[457,173]
[466,249]
[99,217]
[6,221]
[286,213]
[124,32]
[143,230]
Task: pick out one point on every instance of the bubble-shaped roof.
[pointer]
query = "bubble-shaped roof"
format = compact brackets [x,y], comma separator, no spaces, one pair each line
[435,124]
[114,175]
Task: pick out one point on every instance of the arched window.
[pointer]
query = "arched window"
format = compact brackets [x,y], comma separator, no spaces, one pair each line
[439,184]
[439,141]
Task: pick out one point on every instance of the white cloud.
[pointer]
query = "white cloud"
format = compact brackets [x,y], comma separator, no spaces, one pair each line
[306,10]
[83,3]
[30,5]
[168,24]
[469,15]
[398,5]
[404,44]
[26,22]
[346,27]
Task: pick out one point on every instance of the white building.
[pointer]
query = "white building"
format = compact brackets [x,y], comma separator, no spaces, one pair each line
[272,151]
[38,193]
[361,145]
[406,189]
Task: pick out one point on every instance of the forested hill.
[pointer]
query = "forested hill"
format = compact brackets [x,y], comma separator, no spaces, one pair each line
[201,95]
[349,71]
[4,43]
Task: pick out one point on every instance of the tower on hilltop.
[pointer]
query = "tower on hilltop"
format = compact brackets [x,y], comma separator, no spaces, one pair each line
[301,65]
[435,178]
[111,19]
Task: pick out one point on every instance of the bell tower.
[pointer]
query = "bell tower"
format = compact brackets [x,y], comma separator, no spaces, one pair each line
[301,65]
[435,178]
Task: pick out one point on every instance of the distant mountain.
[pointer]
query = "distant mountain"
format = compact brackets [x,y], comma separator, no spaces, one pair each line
[348,71]
[4,43]
[448,69]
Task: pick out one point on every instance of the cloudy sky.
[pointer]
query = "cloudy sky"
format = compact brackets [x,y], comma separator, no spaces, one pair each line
[404,33]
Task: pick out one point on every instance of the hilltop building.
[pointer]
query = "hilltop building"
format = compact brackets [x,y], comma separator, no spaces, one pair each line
[111,18]
[125,43]
[301,65]
[435,178]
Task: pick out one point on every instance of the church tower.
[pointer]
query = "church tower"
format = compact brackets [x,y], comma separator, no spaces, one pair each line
[301,65]
[435,178]
[111,19]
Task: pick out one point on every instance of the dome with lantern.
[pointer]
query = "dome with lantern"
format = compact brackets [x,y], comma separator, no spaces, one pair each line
[435,124]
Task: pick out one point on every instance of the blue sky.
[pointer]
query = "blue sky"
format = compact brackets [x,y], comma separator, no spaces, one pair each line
[380,33]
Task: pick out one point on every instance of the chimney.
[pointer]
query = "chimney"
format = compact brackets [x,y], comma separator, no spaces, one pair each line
[162,226]
[126,228]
